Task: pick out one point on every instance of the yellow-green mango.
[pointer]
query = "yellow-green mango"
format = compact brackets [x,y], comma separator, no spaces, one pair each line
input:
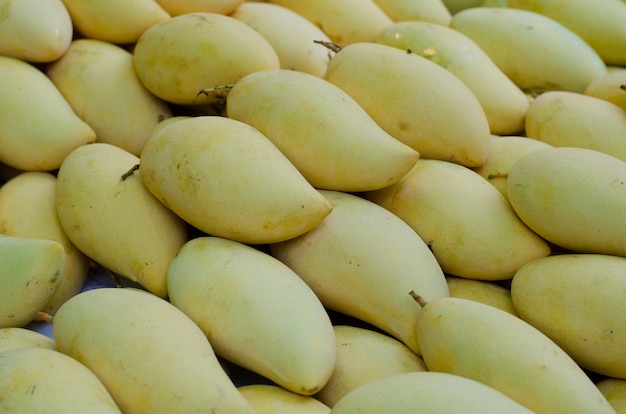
[34,30]
[148,354]
[600,23]
[227,179]
[415,100]
[610,87]
[481,342]
[39,380]
[455,6]
[178,57]
[427,393]
[98,80]
[504,152]
[569,119]
[38,127]
[534,51]
[178,7]
[433,11]
[116,21]
[614,390]
[481,291]
[465,221]
[18,337]
[325,133]
[344,22]
[574,198]
[365,355]
[28,209]
[578,301]
[361,260]
[272,399]
[504,103]
[32,270]
[255,311]
[291,35]
[117,222]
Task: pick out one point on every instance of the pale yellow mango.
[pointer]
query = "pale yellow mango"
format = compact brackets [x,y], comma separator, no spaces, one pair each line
[17,337]
[504,103]
[481,342]
[610,87]
[574,198]
[534,51]
[615,392]
[485,292]
[361,260]
[227,179]
[568,119]
[415,100]
[148,354]
[38,380]
[325,133]
[504,152]
[291,35]
[98,80]
[28,209]
[365,355]
[272,399]
[600,23]
[34,30]
[455,6]
[38,127]
[178,57]
[237,294]
[32,270]
[116,21]
[427,393]
[178,7]
[117,222]
[433,11]
[465,221]
[344,22]
[577,300]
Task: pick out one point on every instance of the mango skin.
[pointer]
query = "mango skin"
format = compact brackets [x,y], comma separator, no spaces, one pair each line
[561,193]
[576,299]
[481,291]
[272,399]
[614,390]
[609,87]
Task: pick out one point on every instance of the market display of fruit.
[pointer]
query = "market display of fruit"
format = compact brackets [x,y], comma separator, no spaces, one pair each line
[313,206]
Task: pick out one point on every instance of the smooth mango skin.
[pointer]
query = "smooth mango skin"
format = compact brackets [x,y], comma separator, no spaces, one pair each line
[291,35]
[534,51]
[34,30]
[504,152]
[504,103]
[272,399]
[28,209]
[32,270]
[227,179]
[609,87]
[562,193]
[415,100]
[465,221]
[148,354]
[325,133]
[365,355]
[481,291]
[344,22]
[576,299]
[178,7]
[433,11]
[38,127]
[362,261]
[428,393]
[117,223]
[178,57]
[600,23]
[117,21]
[39,380]
[614,390]
[480,342]
[18,337]
[98,80]
[568,119]
[255,311]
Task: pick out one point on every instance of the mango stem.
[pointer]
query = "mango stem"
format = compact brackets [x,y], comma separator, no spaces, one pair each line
[419,299]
